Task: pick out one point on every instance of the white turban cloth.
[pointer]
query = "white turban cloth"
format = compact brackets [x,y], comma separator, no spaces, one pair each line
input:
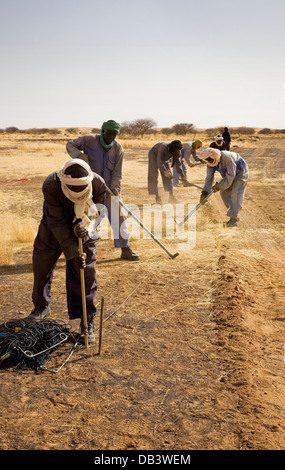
[210,152]
[84,207]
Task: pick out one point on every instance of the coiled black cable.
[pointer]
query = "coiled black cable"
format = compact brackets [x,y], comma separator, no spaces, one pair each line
[28,344]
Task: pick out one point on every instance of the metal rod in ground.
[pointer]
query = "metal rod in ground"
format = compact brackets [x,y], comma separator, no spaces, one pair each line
[195,209]
[83,295]
[101,325]
[145,228]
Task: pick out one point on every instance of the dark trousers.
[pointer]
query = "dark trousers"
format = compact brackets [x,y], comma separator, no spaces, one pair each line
[44,263]
[153,176]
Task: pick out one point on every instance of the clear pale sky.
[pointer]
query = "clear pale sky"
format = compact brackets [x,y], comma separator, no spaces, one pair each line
[81,62]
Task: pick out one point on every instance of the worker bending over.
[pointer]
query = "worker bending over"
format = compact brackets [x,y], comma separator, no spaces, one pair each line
[234,171]
[71,208]
[188,150]
[162,157]
[218,143]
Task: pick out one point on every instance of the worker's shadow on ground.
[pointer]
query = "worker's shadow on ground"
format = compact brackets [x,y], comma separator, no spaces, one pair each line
[25,268]
[60,265]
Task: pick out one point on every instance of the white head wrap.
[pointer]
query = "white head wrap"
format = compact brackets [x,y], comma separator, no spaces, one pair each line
[220,139]
[84,207]
[209,152]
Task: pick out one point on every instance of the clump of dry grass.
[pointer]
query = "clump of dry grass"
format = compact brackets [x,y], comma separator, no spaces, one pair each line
[46,148]
[24,230]
[6,249]
[16,232]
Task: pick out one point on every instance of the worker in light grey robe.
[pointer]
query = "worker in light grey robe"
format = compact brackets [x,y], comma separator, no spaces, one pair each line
[161,158]
[234,171]
[188,151]
[105,154]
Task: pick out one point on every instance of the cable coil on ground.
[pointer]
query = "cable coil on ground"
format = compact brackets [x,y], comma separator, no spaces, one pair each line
[29,344]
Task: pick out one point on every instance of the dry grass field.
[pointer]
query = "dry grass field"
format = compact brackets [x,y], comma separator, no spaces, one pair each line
[193,358]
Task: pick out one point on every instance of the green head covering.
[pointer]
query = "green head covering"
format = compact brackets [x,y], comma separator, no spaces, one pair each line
[111,126]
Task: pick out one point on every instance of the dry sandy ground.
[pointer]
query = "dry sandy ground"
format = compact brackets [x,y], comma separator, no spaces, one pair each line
[194,357]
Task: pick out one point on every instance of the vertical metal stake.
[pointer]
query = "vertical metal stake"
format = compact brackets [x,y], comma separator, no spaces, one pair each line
[101,324]
[83,297]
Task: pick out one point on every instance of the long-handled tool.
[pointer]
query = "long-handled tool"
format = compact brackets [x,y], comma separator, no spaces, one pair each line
[144,227]
[83,295]
[192,184]
[195,208]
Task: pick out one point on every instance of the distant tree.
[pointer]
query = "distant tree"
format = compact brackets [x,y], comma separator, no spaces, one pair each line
[212,131]
[166,130]
[182,128]
[125,128]
[245,130]
[141,126]
[137,127]
[38,130]
[151,131]
[72,130]
[12,130]
[266,130]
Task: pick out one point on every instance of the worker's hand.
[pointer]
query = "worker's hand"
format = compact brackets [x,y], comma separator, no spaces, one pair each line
[80,261]
[167,174]
[216,187]
[202,197]
[116,192]
[80,231]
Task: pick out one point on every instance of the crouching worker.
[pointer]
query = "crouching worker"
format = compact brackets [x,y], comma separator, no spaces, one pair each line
[234,171]
[71,197]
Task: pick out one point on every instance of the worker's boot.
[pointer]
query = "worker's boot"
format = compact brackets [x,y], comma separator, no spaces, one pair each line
[39,313]
[90,330]
[129,255]
[158,200]
[232,222]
